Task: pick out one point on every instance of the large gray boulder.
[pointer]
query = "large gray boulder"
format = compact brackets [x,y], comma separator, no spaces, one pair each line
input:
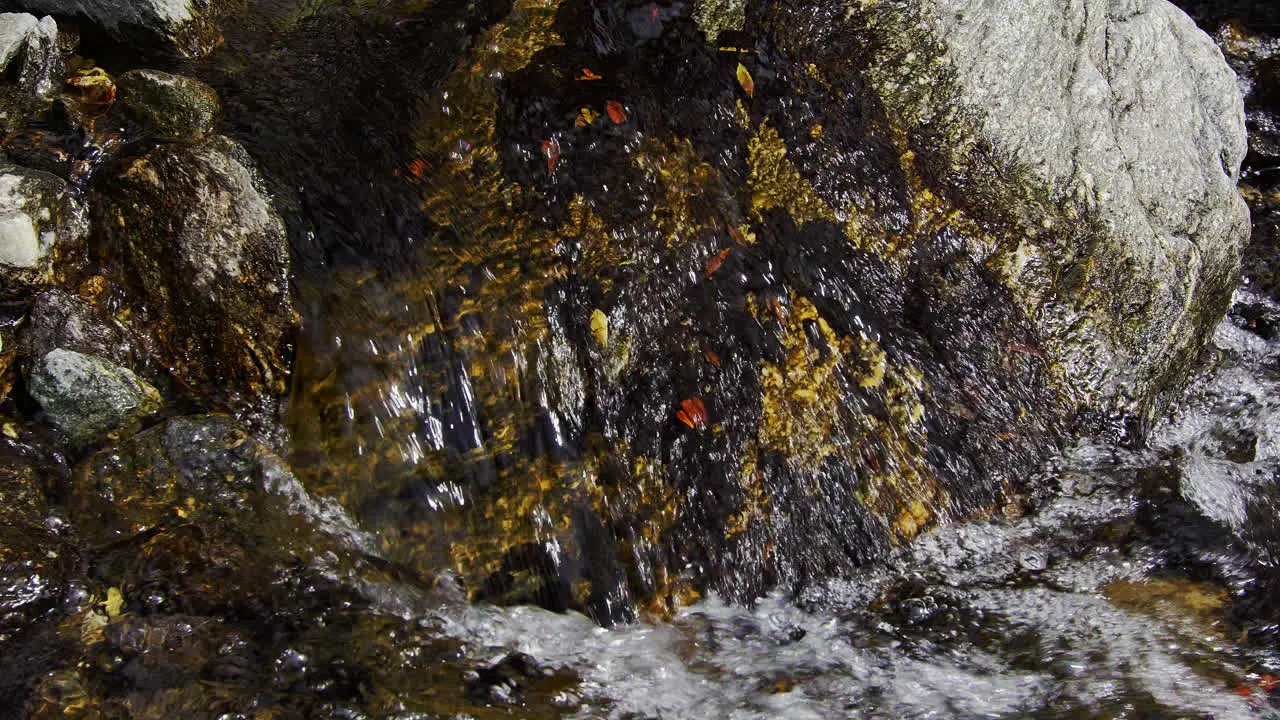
[1122,119]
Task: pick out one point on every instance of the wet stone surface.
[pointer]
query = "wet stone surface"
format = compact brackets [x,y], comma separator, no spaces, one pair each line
[199,212]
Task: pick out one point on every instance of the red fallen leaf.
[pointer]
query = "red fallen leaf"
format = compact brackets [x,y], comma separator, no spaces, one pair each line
[616,112]
[1268,682]
[587,75]
[417,168]
[737,235]
[1242,691]
[692,413]
[711,357]
[551,148]
[1028,350]
[715,261]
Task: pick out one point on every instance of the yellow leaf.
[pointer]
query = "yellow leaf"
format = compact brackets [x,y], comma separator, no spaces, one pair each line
[744,79]
[115,601]
[600,327]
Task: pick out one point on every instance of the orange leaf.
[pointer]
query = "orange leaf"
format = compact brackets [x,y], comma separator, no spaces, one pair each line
[713,264]
[587,75]
[737,235]
[417,168]
[692,413]
[744,79]
[711,357]
[616,112]
[1268,682]
[551,148]
[1242,691]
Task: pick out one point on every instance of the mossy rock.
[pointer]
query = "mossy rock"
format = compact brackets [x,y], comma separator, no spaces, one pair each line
[168,107]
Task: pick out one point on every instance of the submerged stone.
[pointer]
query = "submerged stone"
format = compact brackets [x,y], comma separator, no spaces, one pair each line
[89,397]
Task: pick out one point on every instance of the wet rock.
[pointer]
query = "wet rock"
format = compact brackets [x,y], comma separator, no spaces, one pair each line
[36,42]
[182,27]
[500,683]
[89,397]
[58,319]
[8,355]
[852,289]
[41,222]
[169,107]
[207,260]
[42,63]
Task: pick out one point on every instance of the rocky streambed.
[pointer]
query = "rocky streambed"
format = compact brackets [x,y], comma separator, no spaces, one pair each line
[619,359]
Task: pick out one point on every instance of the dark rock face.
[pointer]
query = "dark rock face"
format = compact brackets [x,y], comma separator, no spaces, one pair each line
[206,260]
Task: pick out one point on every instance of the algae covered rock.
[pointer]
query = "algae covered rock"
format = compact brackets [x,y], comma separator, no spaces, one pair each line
[169,107]
[205,256]
[88,397]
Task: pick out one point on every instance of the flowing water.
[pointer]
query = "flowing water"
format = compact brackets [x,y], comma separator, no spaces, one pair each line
[1111,600]
[1128,580]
